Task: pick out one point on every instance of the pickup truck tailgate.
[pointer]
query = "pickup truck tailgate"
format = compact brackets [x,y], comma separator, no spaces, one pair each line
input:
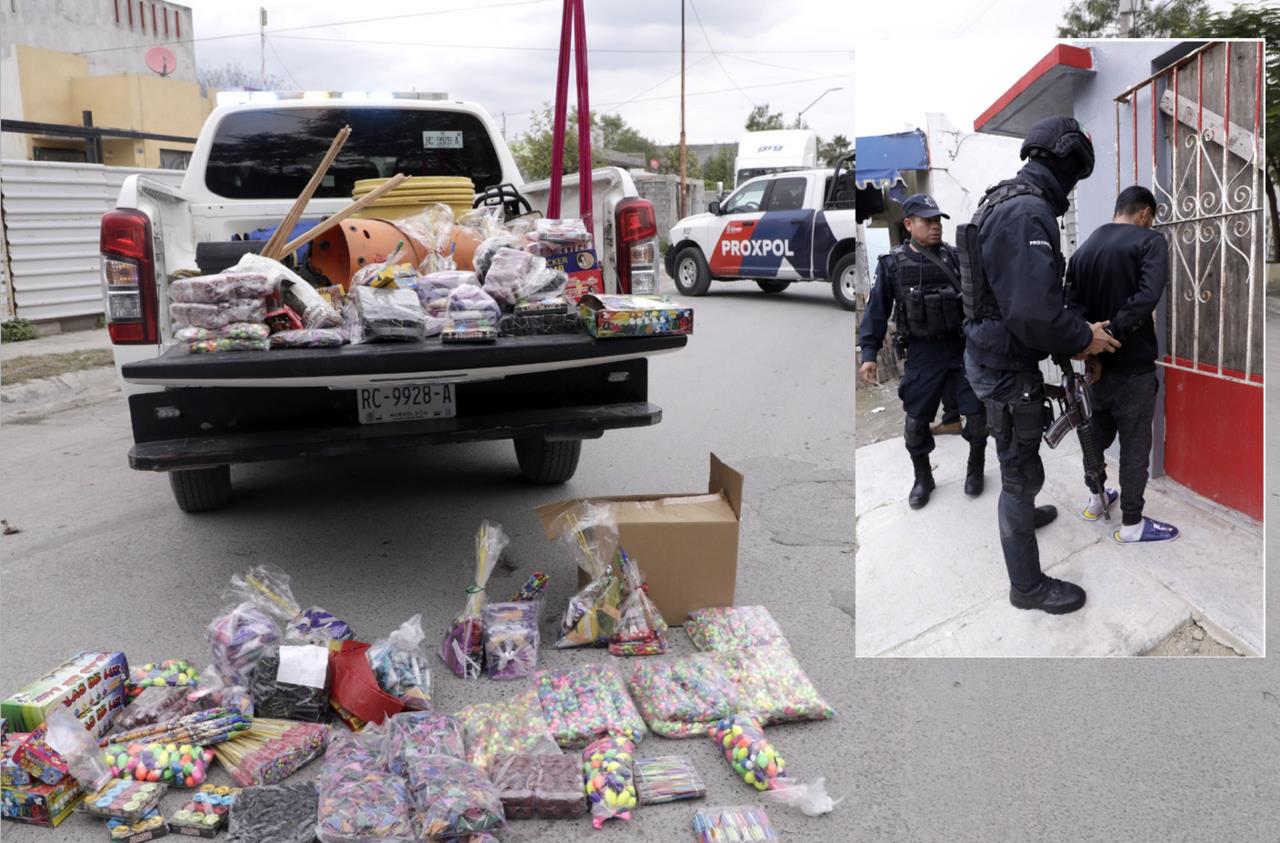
[375,363]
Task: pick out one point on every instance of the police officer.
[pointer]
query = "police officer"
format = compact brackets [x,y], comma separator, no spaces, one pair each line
[1013,266]
[920,282]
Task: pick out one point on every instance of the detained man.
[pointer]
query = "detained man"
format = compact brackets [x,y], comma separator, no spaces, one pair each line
[1118,276]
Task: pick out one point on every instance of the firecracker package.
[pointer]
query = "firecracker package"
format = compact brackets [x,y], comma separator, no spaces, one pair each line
[91,684]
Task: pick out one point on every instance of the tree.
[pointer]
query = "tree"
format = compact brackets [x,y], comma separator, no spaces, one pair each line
[720,167]
[762,120]
[532,149]
[1101,18]
[233,75]
[671,163]
[829,151]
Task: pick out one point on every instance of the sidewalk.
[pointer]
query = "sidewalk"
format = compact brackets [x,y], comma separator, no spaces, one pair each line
[56,344]
[932,582]
[54,373]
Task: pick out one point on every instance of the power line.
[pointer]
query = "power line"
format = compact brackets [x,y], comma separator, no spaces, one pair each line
[770,64]
[698,18]
[663,82]
[324,25]
[287,72]
[454,45]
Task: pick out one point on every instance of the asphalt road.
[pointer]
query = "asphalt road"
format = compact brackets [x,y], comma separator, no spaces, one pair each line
[105,560]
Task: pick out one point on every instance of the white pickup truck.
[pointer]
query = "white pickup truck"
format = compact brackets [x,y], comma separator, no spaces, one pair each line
[774,229]
[194,415]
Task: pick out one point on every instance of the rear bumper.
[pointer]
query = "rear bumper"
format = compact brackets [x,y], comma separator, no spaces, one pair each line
[188,428]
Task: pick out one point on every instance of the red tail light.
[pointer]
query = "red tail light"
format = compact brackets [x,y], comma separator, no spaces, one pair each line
[128,278]
[637,246]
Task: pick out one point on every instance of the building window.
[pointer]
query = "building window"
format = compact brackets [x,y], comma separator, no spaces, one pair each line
[128,6]
[166,22]
[116,3]
[155,30]
[177,23]
[175,159]
[142,16]
[53,153]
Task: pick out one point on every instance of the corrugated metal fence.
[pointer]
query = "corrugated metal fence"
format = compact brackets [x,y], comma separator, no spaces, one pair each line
[51,214]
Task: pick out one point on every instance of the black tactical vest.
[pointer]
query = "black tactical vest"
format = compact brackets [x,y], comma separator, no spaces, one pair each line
[979,299]
[927,303]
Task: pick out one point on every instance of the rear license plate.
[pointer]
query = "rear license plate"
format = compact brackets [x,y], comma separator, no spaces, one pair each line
[406,402]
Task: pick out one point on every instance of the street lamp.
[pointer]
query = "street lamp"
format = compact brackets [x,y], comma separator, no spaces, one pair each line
[815,102]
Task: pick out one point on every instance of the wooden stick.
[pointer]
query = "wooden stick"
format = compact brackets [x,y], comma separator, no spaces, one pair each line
[329,222]
[300,204]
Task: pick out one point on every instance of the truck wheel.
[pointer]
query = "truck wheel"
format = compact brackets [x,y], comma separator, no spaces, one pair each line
[201,489]
[842,285]
[773,286]
[693,276]
[547,463]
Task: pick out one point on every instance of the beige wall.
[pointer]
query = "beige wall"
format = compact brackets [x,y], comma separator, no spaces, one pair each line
[57,88]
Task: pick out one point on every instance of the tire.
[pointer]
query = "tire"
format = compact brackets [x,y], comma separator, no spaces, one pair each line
[842,283]
[772,287]
[201,489]
[692,276]
[548,463]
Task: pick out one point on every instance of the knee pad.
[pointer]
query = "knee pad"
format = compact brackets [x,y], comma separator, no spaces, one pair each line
[916,431]
[975,427]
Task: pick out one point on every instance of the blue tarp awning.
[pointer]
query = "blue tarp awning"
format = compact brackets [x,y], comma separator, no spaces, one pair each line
[882,158]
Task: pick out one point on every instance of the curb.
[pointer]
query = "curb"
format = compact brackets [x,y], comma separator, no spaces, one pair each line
[49,395]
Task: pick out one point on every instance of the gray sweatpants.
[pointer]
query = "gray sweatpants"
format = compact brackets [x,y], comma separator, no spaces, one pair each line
[1123,405]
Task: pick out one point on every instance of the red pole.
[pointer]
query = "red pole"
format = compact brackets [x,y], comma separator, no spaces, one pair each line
[584,118]
[558,122]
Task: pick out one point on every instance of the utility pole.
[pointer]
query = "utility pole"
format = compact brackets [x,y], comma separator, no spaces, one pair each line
[262,48]
[684,212]
[504,125]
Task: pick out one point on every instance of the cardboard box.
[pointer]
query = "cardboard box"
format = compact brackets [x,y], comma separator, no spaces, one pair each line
[92,685]
[40,804]
[583,269]
[634,316]
[686,544]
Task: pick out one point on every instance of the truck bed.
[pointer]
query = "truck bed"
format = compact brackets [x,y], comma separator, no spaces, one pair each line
[357,365]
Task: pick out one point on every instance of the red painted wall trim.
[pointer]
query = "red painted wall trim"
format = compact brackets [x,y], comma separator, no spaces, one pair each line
[1213,440]
[1063,54]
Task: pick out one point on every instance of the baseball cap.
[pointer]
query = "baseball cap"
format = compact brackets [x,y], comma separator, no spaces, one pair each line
[922,205]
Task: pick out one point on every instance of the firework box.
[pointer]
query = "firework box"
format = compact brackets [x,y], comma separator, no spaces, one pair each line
[40,804]
[92,685]
[608,316]
[583,269]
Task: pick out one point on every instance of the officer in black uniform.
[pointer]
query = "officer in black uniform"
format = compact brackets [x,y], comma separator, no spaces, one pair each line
[920,282]
[1012,264]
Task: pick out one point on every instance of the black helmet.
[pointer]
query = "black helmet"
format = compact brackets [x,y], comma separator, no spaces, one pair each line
[1061,137]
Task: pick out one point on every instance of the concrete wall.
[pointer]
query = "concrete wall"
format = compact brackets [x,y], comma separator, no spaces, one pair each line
[662,191]
[76,26]
[962,165]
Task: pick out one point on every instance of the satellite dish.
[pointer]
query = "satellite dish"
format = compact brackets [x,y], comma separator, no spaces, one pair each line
[161,61]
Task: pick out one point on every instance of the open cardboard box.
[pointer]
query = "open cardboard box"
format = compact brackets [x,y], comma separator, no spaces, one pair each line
[686,543]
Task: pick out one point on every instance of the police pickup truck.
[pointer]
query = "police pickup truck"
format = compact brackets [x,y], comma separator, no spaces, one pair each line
[195,415]
[774,229]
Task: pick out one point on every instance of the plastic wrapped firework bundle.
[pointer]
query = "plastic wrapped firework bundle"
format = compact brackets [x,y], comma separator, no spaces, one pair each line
[533,587]
[309,338]
[272,750]
[168,673]
[206,810]
[593,613]
[413,735]
[317,626]
[608,773]
[683,697]
[238,638]
[388,314]
[733,825]
[223,287]
[741,738]
[641,631]
[511,639]
[463,646]
[204,728]
[268,588]
[153,705]
[513,727]
[548,787]
[179,765]
[434,289]
[278,699]
[772,686]
[732,628]
[360,801]
[516,276]
[485,252]
[433,230]
[278,813]
[583,703]
[453,798]
[668,778]
[400,661]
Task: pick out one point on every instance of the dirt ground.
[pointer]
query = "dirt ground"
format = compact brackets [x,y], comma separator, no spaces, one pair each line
[1190,640]
[879,413]
[22,369]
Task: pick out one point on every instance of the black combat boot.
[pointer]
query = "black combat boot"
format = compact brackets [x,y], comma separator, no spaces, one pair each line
[1057,597]
[1045,515]
[924,482]
[973,479]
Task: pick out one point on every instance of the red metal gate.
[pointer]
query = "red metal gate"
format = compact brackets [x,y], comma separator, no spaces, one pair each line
[1204,115]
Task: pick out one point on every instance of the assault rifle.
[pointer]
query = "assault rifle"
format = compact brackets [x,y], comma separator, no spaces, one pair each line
[1075,405]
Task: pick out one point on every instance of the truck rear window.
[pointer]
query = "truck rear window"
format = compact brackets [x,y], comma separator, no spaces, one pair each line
[270,154]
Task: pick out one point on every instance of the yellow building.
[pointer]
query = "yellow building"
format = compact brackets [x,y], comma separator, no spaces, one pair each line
[57,88]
